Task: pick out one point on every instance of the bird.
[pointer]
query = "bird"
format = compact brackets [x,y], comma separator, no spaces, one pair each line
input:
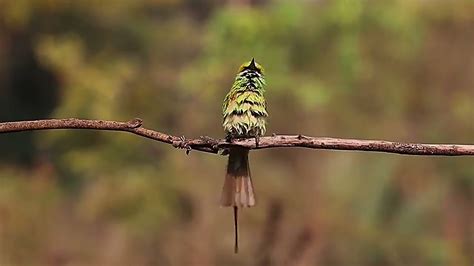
[244,116]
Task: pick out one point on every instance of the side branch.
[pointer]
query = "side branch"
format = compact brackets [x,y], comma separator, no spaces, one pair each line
[211,145]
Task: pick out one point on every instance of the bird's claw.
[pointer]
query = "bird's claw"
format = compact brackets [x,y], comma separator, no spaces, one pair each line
[229,138]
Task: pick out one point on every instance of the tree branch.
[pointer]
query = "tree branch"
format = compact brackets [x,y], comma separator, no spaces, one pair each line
[206,144]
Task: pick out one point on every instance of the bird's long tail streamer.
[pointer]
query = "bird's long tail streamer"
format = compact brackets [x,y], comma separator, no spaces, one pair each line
[236,230]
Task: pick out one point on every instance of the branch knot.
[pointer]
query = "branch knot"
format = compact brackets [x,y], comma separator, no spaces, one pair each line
[135,123]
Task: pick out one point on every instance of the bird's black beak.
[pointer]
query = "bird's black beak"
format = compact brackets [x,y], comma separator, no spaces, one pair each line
[252,65]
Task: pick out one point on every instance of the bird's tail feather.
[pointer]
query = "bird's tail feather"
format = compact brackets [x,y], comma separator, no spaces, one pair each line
[238,188]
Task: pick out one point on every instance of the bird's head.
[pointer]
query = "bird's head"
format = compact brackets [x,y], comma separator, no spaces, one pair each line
[251,65]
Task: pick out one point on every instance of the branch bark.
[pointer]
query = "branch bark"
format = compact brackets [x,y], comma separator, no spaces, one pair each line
[206,144]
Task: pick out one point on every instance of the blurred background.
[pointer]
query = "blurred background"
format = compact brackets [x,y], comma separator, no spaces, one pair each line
[396,69]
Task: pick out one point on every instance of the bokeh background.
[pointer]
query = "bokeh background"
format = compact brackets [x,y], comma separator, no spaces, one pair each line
[396,69]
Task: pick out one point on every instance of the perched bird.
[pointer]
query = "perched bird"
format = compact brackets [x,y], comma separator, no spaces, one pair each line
[244,113]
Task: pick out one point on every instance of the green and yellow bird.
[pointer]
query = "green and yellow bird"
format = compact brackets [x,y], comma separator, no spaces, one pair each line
[244,113]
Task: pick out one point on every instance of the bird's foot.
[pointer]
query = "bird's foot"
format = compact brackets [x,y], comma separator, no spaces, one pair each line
[257,141]
[229,138]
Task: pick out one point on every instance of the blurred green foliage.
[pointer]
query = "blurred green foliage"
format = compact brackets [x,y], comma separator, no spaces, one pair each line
[394,69]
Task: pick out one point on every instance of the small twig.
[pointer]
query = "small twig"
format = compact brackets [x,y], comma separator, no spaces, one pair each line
[206,144]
